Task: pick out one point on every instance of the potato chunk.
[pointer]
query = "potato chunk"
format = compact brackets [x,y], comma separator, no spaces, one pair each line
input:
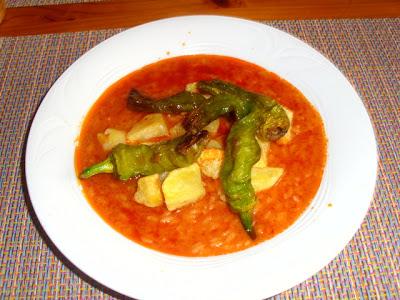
[183,186]
[177,130]
[151,126]
[212,127]
[149,191]
[288,136]
[111,138]
[262,162]
[214,144]
[264,178]
[210,162]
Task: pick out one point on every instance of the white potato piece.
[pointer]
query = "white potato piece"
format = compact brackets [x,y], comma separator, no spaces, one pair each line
[288,136]
[265,178]
[212,127]
[262,162]
[210,162]
[151,126]
[111,138]
[214,144]
[177,130]
[149,191]
[183,186]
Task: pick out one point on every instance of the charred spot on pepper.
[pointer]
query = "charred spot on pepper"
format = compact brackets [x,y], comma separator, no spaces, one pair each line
[190,140]
[181,102]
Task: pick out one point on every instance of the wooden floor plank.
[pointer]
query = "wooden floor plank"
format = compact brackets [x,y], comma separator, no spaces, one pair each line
[118,14]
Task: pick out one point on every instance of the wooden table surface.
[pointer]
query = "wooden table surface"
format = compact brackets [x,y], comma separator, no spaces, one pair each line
[126,13]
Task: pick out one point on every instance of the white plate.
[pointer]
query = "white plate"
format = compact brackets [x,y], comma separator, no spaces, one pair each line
[262,271]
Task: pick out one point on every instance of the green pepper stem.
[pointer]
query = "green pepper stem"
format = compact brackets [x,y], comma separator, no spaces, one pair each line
[106,166]
[246,218]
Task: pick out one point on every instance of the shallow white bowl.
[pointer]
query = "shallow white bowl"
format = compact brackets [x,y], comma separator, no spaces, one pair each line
[259,272]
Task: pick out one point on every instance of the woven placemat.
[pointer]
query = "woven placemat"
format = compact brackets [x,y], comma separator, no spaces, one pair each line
[366,51]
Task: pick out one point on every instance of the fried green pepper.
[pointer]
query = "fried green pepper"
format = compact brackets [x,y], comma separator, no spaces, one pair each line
[241,153]
[182,102]
[228,99]
[255,115]
[127,161]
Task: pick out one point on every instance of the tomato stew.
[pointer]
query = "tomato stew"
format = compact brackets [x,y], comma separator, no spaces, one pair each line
[207,227]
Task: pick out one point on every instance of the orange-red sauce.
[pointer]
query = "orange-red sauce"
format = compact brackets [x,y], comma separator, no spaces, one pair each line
[206,227]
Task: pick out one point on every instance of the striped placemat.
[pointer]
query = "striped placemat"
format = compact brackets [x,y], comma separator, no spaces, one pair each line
[366,51]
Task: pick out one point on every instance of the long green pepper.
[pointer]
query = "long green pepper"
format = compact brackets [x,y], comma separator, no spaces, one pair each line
[255,115]
[128,161]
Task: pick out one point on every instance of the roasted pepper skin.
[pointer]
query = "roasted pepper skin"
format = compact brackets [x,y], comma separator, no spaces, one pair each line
[241,153]
[181,102]
[228,99]
[128,161]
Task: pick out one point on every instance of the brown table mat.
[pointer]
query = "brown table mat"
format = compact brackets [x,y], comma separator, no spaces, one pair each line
[367,52]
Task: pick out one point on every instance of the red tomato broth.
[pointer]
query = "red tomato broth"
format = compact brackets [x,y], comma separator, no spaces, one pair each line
[207,227]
